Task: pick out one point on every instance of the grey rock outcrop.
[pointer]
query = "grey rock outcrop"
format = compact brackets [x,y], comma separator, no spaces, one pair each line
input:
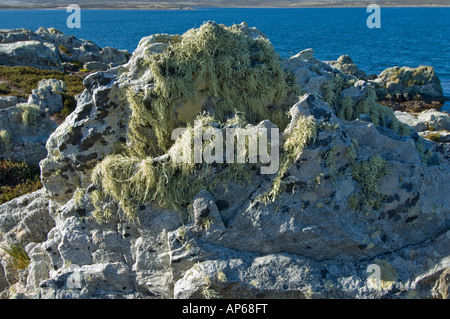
[429,124]
[32,53]
[47,96]
[24,133]
[26,127]
[361,196]
[50,49]
[430,119]
[310,72]
[345,64]
[8,101]
[404,83]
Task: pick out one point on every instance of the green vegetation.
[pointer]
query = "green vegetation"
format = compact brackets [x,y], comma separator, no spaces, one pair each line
[4,89]
[17,256]
[409,77]
[212,64]
[17,179]
[5,139]
[132,181]
[63,49]
[242,81]
[29,113]
[346,109]
[368,173]
[435,137]
[23,79]
[304,131]
[78,63]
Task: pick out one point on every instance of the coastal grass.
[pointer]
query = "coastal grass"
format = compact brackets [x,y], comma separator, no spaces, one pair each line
[17,256]
[23,79]
[4,89]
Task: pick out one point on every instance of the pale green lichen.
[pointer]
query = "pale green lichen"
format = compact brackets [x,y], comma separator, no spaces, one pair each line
[213,68]
[331,91]
[329,158]
[411,76]
[132,181]
[30,113]
[303,132]
[5,138]
[221,277]
[78,198]
[368,173]
[348,110]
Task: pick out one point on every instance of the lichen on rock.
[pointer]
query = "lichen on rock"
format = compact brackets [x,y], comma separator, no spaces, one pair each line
[215,69]
[353,191]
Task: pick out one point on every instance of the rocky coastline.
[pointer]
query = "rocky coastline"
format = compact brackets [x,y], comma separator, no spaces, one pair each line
[362,184]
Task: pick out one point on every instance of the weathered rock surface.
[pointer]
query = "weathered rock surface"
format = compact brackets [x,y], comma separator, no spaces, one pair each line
[316,240]
[429,124]
[7,101]
[50,48]
[400,88]
[25,131]
[47,96]
[27,126]
[409,83]
[345,64]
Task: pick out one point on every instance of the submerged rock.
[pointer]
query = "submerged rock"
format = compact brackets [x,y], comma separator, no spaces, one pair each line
[356,189]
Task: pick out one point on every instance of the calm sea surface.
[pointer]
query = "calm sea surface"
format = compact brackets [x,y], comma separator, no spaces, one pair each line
[407,37]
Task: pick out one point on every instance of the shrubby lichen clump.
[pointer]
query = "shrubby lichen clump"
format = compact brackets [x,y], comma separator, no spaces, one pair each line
[347,109]
[218,76]
[214,69]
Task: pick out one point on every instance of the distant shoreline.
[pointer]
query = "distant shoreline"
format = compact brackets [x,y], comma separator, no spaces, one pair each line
[110,6]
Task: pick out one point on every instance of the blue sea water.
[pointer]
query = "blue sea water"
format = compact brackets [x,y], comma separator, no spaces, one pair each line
[407,37]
